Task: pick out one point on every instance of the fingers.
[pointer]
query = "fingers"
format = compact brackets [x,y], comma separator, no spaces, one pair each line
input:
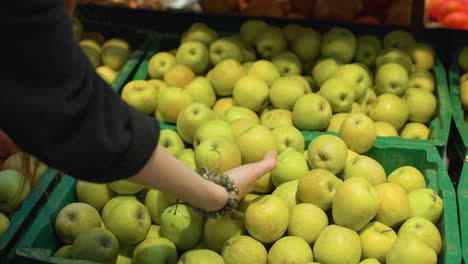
[266,165]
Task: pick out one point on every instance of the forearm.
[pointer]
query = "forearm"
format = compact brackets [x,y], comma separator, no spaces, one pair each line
[167,174]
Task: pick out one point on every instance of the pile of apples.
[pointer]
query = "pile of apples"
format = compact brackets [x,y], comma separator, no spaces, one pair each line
[15,187]
[463,63]
[293,76]
[107,56]
[326,204]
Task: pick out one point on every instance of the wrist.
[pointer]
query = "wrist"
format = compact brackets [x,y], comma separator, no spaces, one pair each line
[220,197]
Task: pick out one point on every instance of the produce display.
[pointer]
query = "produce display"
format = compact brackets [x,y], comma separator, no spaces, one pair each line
[15,187]
[107,56]
[327,204]
[463,63]
[293,76]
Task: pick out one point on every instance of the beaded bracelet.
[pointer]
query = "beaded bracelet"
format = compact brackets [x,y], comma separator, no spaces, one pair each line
[225,181]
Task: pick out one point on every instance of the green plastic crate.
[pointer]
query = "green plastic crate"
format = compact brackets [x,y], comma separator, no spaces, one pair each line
[461,145]
[40,240]
[439,127]
[23,217]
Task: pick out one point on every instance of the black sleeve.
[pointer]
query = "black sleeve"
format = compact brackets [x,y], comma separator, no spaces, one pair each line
[55,106]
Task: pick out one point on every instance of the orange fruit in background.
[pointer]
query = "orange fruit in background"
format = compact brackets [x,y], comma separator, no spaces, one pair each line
[304,7]
[399,13]
[267,8]
[342,10]
[372,20]
[219,7]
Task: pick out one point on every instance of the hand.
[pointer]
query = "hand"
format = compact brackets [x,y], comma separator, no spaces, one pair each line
[245,176]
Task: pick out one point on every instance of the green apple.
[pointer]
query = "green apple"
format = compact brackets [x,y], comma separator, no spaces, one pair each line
[463,59]
[337,244]
[290,249]
[391,109]
[407,177]
[243,249]
[364,167]
[287,63]
[225,75]
[115,201]
[251,92]
[125,187]
[96,36]
[200,256]
[141,95]
[267,209]
[217,154]
[358,132]
[367,100]
[255,143]
[312,105]
[409,250]
[376,240]
[250,55]
[155,250]
[75,218]
[92,50]
[239,112]
[156,202]
[96,244]
[171,141]
[391,78]
[270,41]
[13,190]
[370,261]
[291,31]
[422,55]
[423,229]
[288,137]
[240,125]
[250,30]
[4,223]
[187,156]
[426,203]
[246,201]
[276,118]
[393,55]
[128,220]
[324,69]
[463,78]
[339,43]
[306,45]
[178,76]
[307,221]
[368,47]
[221,105]
[94,194]
[356,109]
[318,187]
[291,165]
[172,101]
[327,152]
[421,79]
[264,184]
[422,105]
[288,192]
[115,52]
[394,205]
[225,48]
[201,91]
[339,94]
[191,118]
[64,252]
[400,39]
[350,157]
[384,129]
[160,63]
[355,203]
[200,32]
[231,225]
[265,70]
[182,225]
[415,130]
[18,161]
[285,92]
[212,129]
[121,259]
[355,77]
[107,74]
[335,122]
